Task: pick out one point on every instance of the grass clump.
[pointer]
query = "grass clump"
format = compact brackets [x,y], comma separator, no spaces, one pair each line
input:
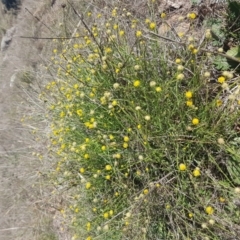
[145,135]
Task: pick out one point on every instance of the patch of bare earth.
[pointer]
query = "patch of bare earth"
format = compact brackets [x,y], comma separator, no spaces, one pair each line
[24,209]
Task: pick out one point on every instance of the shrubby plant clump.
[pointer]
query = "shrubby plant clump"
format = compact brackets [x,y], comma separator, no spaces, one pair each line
[145,133]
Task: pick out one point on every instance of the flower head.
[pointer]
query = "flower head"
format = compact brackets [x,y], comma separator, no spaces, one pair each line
[208,34]
[227,74]
[191,47]
[180,34]
[196,172]
[180,67]
[121,33]
[126,139]
[190,39]
[137,67]
[204,225]
[211,221]
[108,177]
[178,60]
[188,94]
[125,145]
[189,103]
[225,86]
[192,15]
[237,190]
[220,141]
[152,25]
[190,215]
[108,167]
[108,50]
[136,83]
[221,79]
[222,200]
[147,118]
[116,85]
[182,167]
[207,74]
[163,15]
[180,76]
[145,191]
[138,34]
[158,89]
[219,102]
[209,210]
[152,84]
[147,21]
[88,226]
[195,121]
[114,103]
[81,170]
[88,185]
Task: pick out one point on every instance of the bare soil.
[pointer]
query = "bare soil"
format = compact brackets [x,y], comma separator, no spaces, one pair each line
[20,186]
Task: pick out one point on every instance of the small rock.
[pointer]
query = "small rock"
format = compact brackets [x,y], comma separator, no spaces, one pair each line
[7,38]
[12,80]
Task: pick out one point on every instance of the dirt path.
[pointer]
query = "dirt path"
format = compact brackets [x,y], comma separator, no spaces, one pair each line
[19,216]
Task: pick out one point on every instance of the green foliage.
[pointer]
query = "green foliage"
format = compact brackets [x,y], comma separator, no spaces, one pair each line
[25,76]
[217,27]
[234,52]
[225,31]
[142,135]
[233,19]
[221,63]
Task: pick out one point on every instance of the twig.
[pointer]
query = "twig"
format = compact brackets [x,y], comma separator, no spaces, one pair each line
[48,38]
[74,32]
[13,228]
[40,21]
[221,54]
[201,49]
[86,26]
[234,22]
[168,39]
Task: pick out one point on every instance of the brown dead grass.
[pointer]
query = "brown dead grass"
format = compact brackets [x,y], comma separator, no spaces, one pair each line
[23,191]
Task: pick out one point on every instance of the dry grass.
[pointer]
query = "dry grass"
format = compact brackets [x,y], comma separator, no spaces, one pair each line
[26,204]
[22,191]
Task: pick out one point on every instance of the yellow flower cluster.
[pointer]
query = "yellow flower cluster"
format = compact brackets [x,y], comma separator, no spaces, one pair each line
[189,101]
[119,120]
